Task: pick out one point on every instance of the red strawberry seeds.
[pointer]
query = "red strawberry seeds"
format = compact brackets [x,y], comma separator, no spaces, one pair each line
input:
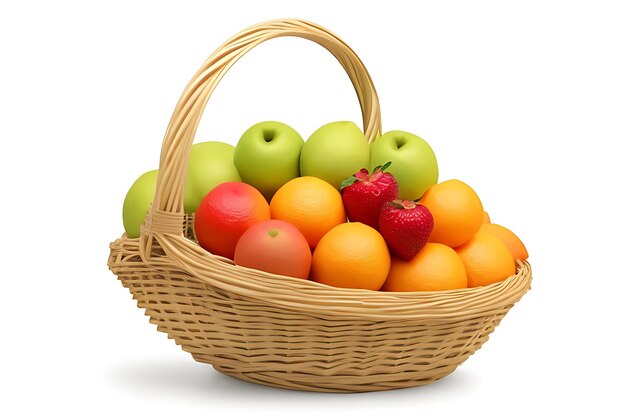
[364,194]
[405,226]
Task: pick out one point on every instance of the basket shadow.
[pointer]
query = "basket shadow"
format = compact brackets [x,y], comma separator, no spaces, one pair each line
[190,379]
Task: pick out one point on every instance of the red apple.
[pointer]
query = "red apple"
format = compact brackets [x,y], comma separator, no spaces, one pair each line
[275,247]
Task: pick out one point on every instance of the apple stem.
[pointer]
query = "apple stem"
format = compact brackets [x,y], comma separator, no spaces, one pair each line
[268,135]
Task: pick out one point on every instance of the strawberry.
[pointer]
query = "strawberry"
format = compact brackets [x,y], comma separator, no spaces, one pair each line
[405,226]
[363,194]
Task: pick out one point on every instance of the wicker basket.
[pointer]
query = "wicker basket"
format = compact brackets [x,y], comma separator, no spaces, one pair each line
[282,331]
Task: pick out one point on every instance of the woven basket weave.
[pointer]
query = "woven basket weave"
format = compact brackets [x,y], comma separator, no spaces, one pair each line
[282,331]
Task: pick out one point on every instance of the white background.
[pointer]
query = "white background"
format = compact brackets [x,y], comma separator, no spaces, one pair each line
[526,102]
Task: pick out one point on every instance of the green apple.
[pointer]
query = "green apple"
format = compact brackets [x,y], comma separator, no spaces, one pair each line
[335,152]
[138,201]
[210,164]
[268,156]
[413,162]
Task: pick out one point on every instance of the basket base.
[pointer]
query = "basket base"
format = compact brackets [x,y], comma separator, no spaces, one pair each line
[255,339]
[337,384]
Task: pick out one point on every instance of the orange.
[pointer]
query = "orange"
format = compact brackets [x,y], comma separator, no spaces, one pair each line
[486,259]
[435,267]
[486,218]
[457,212]
[225,213]
[512,242]
[311,205]
[351,255]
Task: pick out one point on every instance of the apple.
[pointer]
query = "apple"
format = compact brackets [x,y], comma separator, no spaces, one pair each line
[137,202]
[210,164]
[335,152]
[268,156]
[225,213]
[275,247]
[413,162]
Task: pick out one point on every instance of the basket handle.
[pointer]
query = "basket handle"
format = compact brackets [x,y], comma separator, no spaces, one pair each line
[167,213]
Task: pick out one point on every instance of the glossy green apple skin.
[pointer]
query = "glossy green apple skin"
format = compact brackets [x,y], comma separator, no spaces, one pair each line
[335,152]
[413,162]
[137,202]
[268,156]
[210,164]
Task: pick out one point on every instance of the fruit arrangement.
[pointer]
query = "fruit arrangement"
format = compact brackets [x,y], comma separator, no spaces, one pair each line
[338,211]
[336,264]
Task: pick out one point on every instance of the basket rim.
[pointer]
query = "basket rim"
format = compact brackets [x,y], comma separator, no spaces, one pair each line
[320,299]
